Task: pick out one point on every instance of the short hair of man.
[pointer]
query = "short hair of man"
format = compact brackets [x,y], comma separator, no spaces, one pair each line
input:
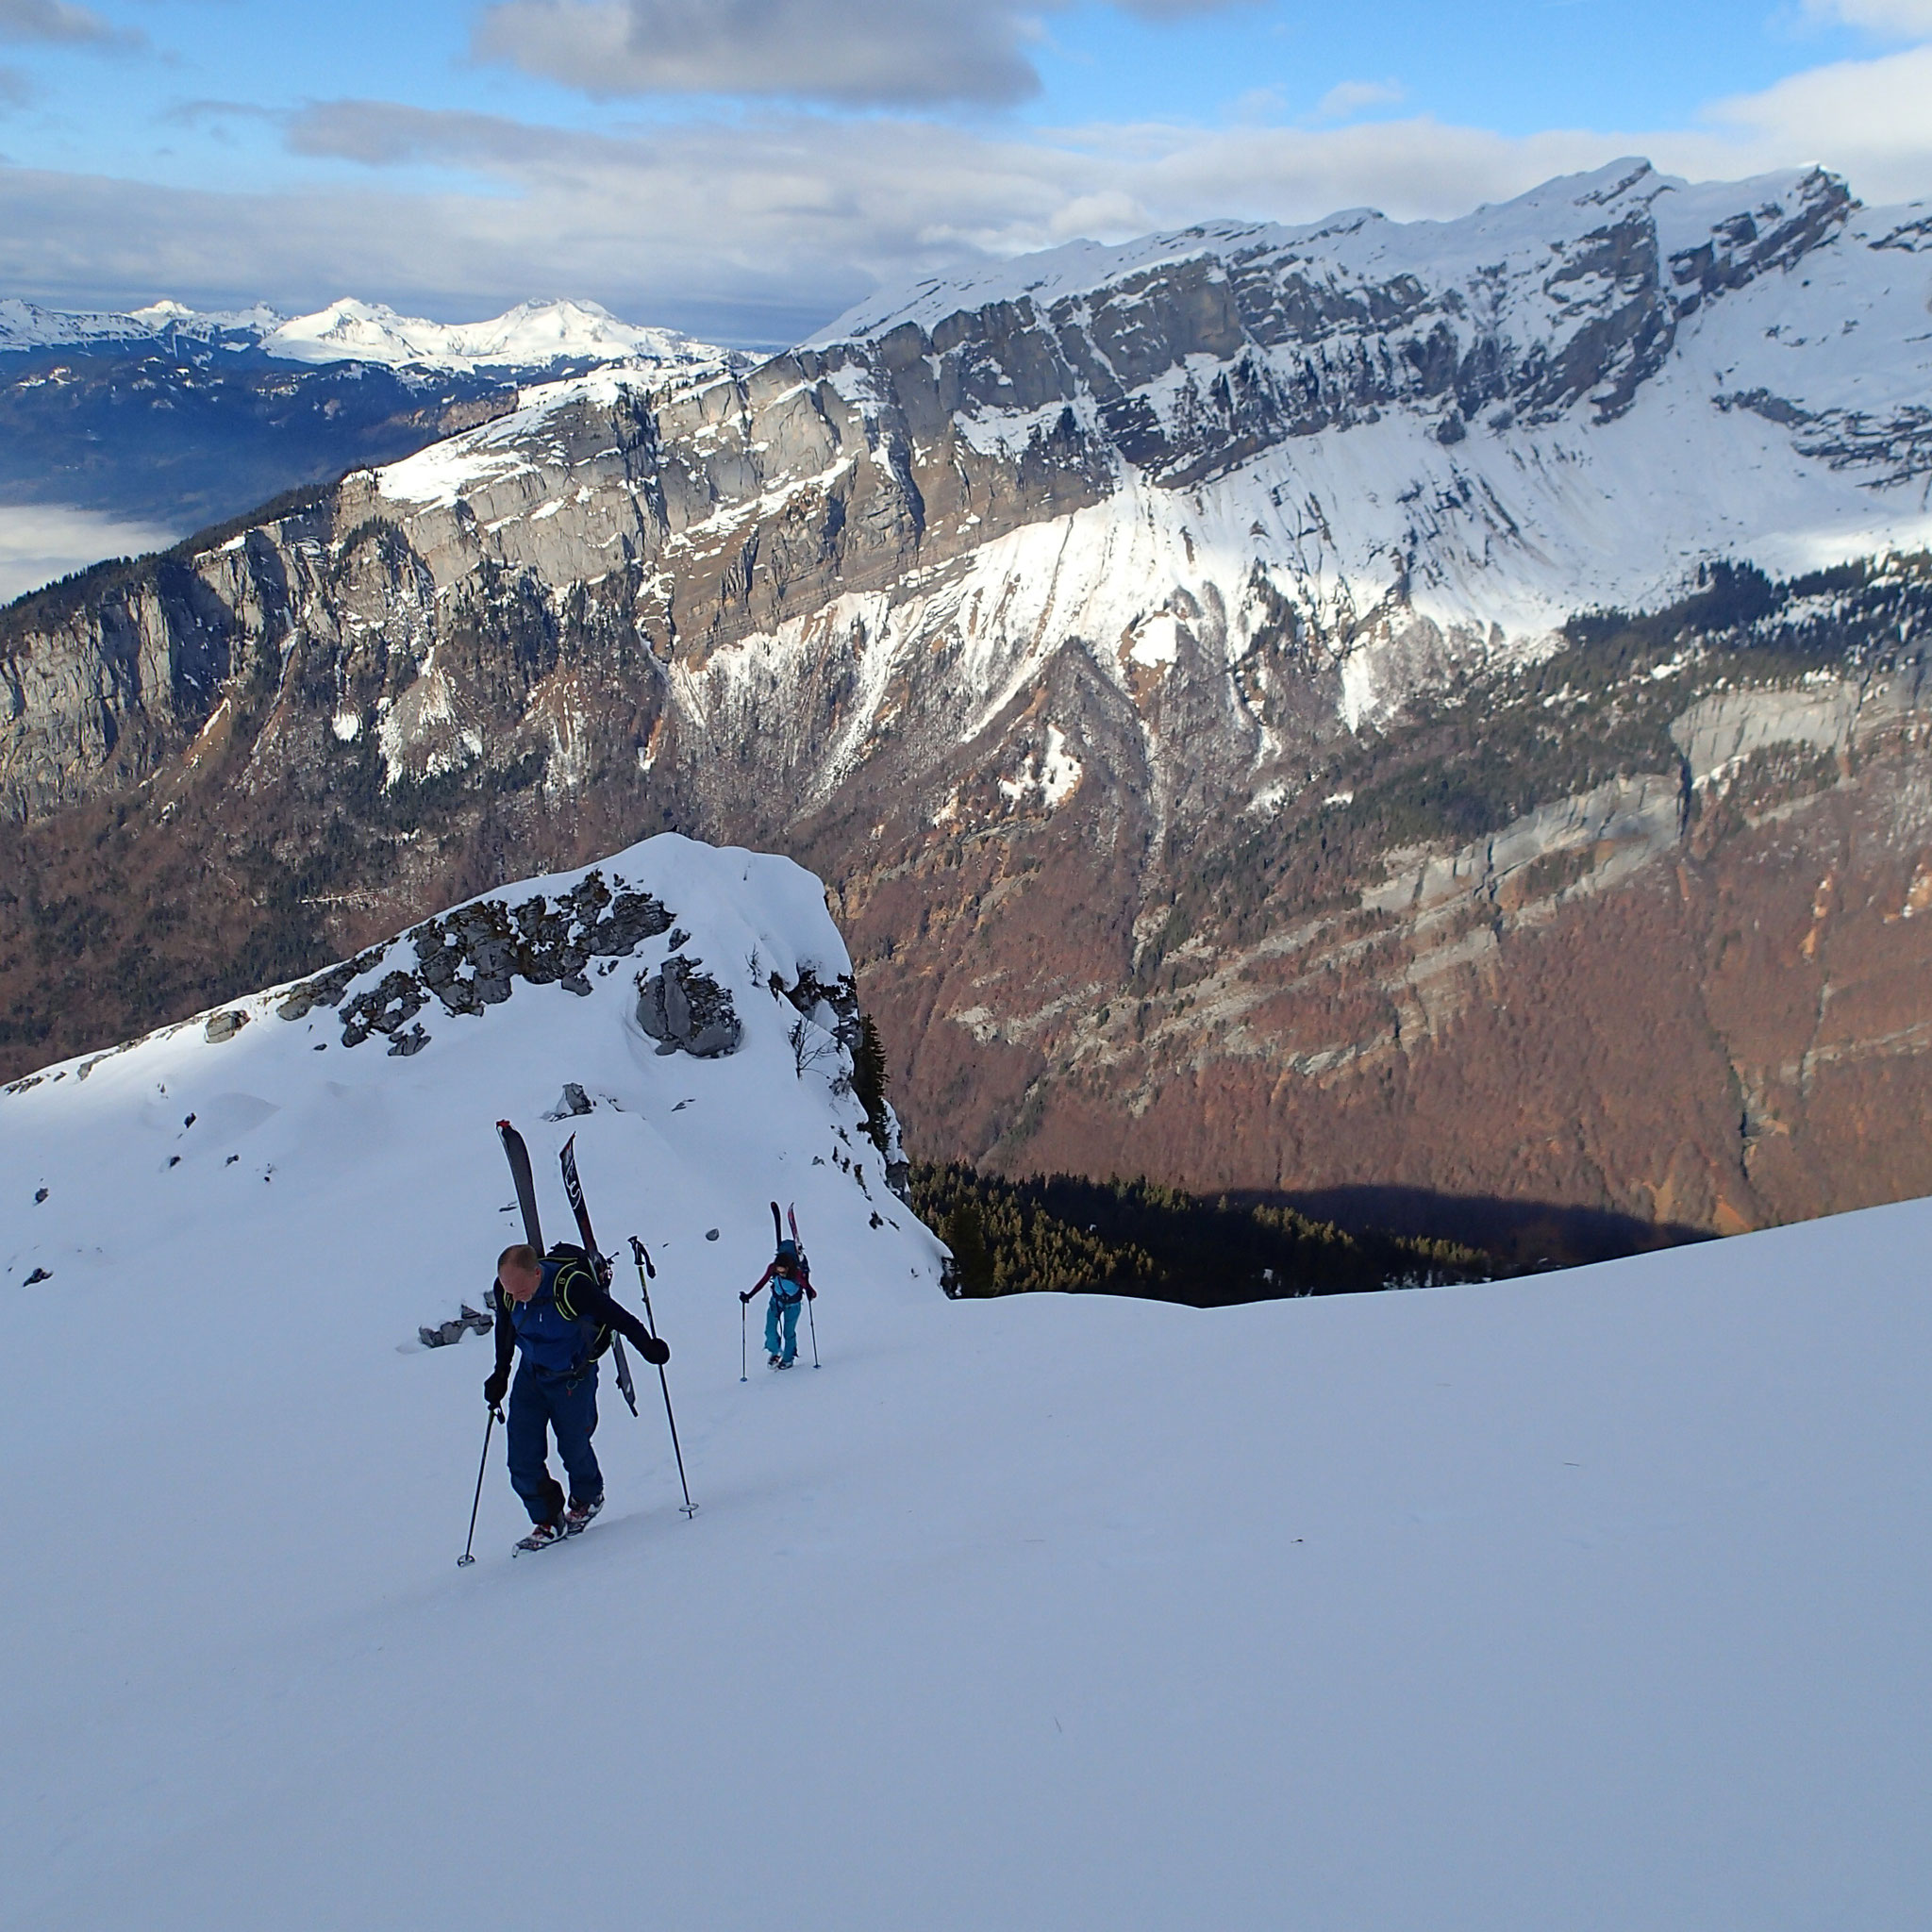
[521,1257]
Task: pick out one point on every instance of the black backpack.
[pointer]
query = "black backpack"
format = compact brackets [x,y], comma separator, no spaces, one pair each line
[596,1336]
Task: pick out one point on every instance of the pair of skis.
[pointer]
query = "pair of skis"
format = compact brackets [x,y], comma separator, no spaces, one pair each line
[778,1235]
[519,1158]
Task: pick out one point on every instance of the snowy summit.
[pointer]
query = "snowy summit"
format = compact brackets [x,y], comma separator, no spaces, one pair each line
[532,336]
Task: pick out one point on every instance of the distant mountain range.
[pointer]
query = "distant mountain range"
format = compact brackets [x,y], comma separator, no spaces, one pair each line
[533,336]
[1429,707]
[172,418]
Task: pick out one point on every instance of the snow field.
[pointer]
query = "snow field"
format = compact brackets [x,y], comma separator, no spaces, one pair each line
[1594,1600]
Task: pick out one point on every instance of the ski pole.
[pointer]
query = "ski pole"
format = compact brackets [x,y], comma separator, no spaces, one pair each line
[466,1559]
[742,1319]
[641,1255]
[813,1320]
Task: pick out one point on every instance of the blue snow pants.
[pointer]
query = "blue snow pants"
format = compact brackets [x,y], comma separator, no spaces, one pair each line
[568,1405]
[782,1314]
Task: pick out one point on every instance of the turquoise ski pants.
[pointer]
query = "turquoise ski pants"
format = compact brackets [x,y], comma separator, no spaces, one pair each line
[782,1315]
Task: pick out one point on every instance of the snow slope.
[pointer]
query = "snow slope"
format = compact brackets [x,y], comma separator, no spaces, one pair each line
[1586,1601]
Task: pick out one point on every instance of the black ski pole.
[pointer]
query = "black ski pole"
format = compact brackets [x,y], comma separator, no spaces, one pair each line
[466,1559]
[813,1320]
[643,1258]
[742,1305]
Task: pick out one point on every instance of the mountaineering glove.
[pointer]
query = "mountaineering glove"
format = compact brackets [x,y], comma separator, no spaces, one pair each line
[747,1294]
[495,1387]
[812,1295]
[655,1352]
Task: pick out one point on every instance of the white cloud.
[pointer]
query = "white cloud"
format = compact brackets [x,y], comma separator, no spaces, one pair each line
[760,228]
[852,53]
[1904,19]
[1349,97]
[1869,119]
[41,541]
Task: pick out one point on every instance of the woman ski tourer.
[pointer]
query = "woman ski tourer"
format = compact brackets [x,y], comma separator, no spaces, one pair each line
[556,1311]
[789,1277]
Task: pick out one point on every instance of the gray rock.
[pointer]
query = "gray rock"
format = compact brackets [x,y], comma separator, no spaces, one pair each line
[469,960]
[573,1101]
[327,988]
[225,1026]
[386,1008]
[830,1003]
[471,1321]
[685,1011]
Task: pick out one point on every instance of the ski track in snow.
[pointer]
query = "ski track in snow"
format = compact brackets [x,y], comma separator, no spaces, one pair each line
[1596,1600]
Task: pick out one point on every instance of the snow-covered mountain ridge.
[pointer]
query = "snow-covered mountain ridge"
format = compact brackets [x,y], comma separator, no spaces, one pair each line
[1116,647]
[531,336]
[670,979]
[1040,1613]
[1483,423]
[174,421]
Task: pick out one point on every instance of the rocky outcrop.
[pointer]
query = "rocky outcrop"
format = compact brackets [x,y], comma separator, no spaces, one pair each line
[471,958]
[685,1011]
[830,1005]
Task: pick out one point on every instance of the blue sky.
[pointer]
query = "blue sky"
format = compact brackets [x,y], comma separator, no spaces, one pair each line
[744,168]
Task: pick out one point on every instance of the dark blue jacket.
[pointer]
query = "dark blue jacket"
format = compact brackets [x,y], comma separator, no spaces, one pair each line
[565,1324]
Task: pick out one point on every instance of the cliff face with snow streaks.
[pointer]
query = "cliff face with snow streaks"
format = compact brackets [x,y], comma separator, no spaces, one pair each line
[1180,656]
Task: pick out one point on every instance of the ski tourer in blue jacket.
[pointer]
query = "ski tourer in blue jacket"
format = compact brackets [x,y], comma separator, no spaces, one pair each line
[558,1314]
[789,1277]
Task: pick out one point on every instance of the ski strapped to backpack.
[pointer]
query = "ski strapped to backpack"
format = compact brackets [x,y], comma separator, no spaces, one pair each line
[573,1187]
[519,1159]
[797,1248]
[518,1155]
